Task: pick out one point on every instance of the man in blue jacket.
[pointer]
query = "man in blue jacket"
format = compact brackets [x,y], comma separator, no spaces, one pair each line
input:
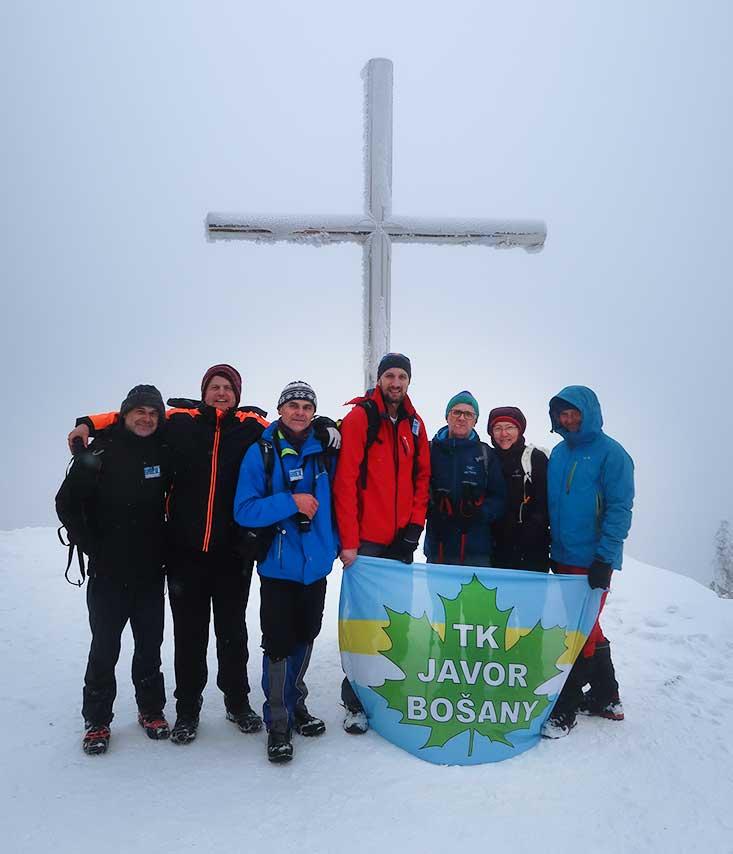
[467,489]
[285,486]
[590,486]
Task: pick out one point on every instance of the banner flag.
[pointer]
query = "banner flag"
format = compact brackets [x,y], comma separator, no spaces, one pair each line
[460,665]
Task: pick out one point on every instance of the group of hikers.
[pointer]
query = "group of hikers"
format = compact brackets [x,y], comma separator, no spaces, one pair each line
[198,493]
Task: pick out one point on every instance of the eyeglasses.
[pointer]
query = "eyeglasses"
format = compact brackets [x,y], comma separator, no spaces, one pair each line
[505,428]
[462,413]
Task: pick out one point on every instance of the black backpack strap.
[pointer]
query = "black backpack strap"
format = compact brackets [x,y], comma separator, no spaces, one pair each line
[268,461]
[485,451]
[374,422]
[80,555]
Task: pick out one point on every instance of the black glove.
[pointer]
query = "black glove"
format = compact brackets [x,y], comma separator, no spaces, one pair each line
[405,543]
[440,503]
[470,507]
[599,575]
[327,433]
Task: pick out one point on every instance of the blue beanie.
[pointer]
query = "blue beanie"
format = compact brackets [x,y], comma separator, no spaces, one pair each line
[462,397]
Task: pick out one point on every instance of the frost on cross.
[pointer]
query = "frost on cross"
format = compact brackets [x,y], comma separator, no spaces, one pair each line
[377,228]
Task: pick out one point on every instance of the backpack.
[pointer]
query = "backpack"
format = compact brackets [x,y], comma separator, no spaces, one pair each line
[526,463]
[374,422]
[70,508]
[254,543]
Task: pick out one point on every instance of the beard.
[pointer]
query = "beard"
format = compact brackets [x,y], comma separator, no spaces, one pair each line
[394,397]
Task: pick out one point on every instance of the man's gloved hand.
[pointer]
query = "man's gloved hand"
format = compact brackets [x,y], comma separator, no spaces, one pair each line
[327,433]
[405,543]
[440,503]
[599,575]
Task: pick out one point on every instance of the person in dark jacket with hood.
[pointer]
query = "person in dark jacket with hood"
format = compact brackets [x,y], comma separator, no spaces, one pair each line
[112,503]
[590,492]
[467,491]
[522,534]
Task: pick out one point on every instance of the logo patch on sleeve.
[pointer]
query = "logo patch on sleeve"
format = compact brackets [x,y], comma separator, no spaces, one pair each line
[151,471]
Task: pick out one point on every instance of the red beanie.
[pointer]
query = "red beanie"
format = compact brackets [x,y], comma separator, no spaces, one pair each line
[229,373]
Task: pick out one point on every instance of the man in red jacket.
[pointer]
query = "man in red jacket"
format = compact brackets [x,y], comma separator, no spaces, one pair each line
[381,486]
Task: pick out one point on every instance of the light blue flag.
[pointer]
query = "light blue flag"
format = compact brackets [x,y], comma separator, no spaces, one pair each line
[460,665]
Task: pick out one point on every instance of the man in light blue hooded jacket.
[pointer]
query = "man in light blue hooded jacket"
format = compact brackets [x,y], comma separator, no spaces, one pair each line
[590,491]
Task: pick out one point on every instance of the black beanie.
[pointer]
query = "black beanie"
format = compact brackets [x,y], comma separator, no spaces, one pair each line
[143,395]
[394,360]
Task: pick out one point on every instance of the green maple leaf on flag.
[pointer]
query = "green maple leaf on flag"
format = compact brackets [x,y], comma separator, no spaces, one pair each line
[469,681]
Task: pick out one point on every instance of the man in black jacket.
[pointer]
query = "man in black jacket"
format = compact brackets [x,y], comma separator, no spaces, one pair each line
[112,503]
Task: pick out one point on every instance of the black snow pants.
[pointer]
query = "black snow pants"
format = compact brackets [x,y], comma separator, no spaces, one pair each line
[198,583]
[111,604]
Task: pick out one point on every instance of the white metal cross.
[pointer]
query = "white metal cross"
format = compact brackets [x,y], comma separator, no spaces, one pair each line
[377,228]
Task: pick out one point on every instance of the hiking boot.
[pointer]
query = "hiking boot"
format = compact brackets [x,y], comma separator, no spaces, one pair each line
[245,718]
[305,724]
[355,721]
[558,726]
[279,746]
[612,710]
[184,730]
[155,726]
[96,739]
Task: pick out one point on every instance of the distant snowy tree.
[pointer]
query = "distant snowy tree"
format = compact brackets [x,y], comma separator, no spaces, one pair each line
[722,582]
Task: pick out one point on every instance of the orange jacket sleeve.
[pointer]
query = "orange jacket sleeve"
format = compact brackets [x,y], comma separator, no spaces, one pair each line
[98,422]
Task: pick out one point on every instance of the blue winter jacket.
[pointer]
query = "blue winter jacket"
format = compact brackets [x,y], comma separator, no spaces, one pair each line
[293,556]
[455,462]
[590,486]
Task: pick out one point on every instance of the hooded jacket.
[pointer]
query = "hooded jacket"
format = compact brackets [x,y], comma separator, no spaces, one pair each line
[465,498]
[392,499]
[590,485]
[294,555]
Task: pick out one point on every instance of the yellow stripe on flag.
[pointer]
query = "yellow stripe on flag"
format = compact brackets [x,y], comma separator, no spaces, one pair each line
[367,637]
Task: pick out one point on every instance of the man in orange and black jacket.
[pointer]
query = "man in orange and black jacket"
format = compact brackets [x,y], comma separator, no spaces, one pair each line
[209,440]
[381,485]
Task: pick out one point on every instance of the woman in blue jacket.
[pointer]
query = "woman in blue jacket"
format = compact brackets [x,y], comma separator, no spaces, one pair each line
[285,486]
[467,489]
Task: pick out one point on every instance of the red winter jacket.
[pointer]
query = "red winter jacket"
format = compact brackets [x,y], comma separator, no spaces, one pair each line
[390,500]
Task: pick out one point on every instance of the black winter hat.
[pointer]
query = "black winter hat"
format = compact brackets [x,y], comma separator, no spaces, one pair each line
[143,395]
[394,360]
[558,405]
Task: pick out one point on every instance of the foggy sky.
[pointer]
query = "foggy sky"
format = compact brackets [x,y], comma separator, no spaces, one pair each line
[125,125]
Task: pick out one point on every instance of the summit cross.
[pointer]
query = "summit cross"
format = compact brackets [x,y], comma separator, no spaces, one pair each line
[377,228]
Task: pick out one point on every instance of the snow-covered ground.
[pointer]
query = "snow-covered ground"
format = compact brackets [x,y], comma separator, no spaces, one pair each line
[662,780]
